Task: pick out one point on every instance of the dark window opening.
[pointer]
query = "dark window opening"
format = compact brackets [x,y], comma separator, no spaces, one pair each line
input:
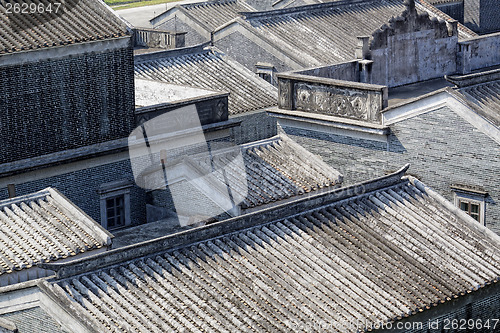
[115,211]
[471,208]
[266,77]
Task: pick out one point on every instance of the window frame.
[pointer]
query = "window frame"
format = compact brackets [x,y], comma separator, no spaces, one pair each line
[111,191]
[265,69]
[118,210]
[471,197]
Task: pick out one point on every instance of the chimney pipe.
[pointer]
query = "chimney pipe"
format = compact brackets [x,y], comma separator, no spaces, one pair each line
[12,190]
[363,48]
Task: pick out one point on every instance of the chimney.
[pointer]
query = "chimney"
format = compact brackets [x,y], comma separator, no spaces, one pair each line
[464,57]
[363,47]
[452,28]
[410,4]
[12,190]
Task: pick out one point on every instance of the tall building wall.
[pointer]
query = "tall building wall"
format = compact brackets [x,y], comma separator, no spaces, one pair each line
[482,16]
[442,148]
[454,9]
[81,186]
[50,103]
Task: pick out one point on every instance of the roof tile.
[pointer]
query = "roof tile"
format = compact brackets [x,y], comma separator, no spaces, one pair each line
[325,31]
[77,21]
[370,258]
[210,69]
[44,227]
[215,13]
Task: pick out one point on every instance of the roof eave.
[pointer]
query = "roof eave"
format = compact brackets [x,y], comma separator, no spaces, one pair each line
[264,216]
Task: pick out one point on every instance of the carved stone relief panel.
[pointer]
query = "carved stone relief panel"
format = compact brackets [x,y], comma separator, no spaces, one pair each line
[336,101]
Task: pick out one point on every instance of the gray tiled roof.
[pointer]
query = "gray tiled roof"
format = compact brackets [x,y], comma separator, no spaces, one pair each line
[43,227]
[213,14]
[327,32]
[276,169]
[438,2]
[76,22]
[33,320]
[210,69]
[392,251]
[485,99]
[291,3]
[279,168]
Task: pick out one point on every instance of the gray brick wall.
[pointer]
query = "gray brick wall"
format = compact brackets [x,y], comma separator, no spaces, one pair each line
[455,10]
[53,105]
[81,188]
[193,37]
[255,126]
[484,315]
[442,148]
[34,320]
[248,53]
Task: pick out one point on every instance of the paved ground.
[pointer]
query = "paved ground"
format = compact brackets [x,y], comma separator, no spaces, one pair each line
[140,16]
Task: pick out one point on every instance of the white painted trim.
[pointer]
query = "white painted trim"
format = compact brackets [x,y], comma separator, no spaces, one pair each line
[61,315]
[474,119]
[20,299]
[330,128]
[32,297]
[476,199]
[415,108]
[437,101]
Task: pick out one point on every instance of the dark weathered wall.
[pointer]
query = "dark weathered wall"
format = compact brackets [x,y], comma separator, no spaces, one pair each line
[53,105]
[348,70]
[413,48]
[148,37]
[81,188]
[210,110]
[456,153]
[454,9]
[482,16]
[255,126]
[192,36]
[248,53]
[479,52]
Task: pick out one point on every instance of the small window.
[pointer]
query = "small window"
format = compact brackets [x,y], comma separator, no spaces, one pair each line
[115,204]
[267,72]
[471,200]
[115,211]
[471,208]
[266,77]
